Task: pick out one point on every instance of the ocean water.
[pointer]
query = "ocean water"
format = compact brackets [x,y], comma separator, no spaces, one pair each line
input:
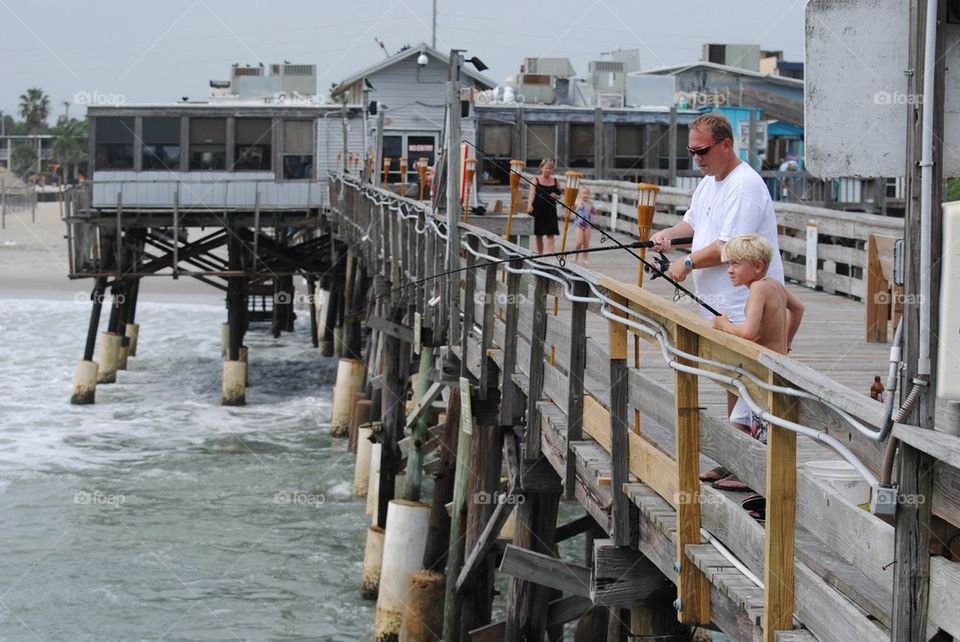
[158,514]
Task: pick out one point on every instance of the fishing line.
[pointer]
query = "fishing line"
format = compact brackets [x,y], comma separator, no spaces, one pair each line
[433,277]
[657,271]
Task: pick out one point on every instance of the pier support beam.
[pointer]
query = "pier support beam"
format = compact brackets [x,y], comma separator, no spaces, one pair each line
[392,417]
[85,376]
[349,382]
[234,370]
[402,553]
[109,353]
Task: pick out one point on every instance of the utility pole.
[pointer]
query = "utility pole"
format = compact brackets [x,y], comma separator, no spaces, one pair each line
[921,288]
[453,195]
[364,174]
[378,162]
[433,31]
[343,115]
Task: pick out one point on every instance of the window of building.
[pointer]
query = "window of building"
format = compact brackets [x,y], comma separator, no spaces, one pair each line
[253,147]
[683,156]
[541,143]
[161,143]
[628,149]
[208,143]
[114,142]
[581,145]
[494,164]
[298,149]
[419,146]
[392,151]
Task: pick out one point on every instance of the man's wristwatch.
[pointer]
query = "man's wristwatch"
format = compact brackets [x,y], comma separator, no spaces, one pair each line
[688,264]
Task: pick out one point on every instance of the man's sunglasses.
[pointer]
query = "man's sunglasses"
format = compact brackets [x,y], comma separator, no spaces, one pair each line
[702,151]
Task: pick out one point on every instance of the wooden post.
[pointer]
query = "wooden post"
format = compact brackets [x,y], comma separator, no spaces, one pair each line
[535,370]
[510,409]
[575,372]
[452,601]
[778,545]
[438,532]
[469,306]
[622,524]
[537,516]
[693,588]
[311,299]
[485,465]
[414,475]
[391,414]
[486,337]
[911,548]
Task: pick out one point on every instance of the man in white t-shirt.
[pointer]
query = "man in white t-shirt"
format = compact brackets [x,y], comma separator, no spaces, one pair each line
[731,199]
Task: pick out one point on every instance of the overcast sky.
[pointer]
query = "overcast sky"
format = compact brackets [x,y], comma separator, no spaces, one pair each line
[159,51]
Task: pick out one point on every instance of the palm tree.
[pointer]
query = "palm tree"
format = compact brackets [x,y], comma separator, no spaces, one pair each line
[34,109]
[70,149]
[23,159]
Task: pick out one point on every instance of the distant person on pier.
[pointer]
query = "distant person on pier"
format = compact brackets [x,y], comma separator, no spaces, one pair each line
[542,206]
[585,210]
[772,315]
[730,200]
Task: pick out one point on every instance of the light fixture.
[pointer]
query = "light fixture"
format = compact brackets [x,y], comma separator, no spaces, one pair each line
[470,169]
[422,172]
[569,198]
[646,206]
[422,59]
[478,64]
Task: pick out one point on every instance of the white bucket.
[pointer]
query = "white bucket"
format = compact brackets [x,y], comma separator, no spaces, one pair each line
[843,477]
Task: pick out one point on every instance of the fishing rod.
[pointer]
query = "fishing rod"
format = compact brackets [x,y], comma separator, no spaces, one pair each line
[655,270]
[560,255]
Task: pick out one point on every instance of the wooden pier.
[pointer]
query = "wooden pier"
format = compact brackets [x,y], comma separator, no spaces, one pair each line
[542,407]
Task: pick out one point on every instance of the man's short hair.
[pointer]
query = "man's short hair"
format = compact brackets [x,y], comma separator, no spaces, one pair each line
[748,247]
[717,124]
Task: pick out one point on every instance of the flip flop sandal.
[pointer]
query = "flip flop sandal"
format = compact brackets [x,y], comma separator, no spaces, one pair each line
[756,507]
[731,482]
[716,474]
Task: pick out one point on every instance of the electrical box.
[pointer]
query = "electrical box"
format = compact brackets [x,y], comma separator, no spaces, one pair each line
[948,350]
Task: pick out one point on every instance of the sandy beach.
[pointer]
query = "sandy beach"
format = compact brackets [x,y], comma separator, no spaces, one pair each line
[34,264]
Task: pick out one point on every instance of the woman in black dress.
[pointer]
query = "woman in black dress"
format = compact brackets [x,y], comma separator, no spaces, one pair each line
[542,199]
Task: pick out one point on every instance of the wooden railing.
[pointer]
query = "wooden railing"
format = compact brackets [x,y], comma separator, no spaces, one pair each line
[823,561]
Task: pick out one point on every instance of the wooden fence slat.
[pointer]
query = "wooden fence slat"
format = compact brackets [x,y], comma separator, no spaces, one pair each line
[781,489]
[693,587]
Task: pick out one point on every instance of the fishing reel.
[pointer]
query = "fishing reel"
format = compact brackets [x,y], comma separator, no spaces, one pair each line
[663,264]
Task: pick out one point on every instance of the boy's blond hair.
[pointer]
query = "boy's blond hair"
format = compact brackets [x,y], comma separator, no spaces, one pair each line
[748,247]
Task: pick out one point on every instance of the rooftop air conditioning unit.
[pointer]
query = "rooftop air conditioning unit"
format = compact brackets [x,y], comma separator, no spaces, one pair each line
[559,67]
[610,101]
[607,77]
[535,88]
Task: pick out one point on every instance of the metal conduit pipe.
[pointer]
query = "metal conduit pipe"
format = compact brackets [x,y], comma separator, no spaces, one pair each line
[666,348]
[765,415]
[664,341]
[794,392]
[723,550]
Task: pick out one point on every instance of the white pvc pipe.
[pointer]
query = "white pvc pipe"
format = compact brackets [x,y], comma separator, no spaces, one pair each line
[926,185]
[372,562]
[132,330]
[84,383]
[109,355]
[234,383]
[403,547]
[361,473]
[349,382]
[373,487]
[730,557]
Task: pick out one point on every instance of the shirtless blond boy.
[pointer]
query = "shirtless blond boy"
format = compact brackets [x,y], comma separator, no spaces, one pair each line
[773,315]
